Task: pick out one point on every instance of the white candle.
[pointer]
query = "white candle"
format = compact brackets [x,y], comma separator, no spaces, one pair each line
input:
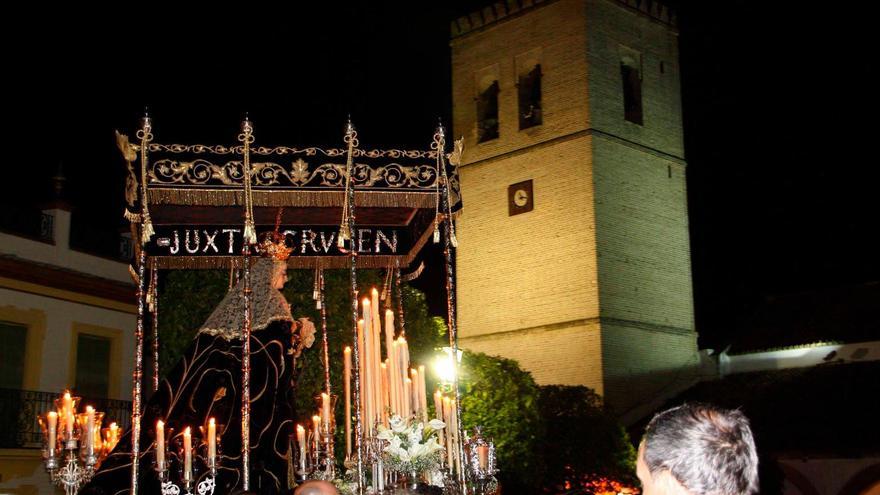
[365,414]
[446,419]
[112,436]
[368,367]
[407,401]
[375,296]
[438,405]
[301,441]
[212,441]
[394,379]
[391,359]
[423,394]
[347,380]
[376,347]
[402,367]
[89,434]
[187,454]
[416,401]
[52,425]
[160,443]
[483,456]
[67,408]
[316,422]
[456,442]
[325,410]
[385,403]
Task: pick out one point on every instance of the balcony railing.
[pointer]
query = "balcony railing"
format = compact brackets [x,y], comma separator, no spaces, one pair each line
[19,409]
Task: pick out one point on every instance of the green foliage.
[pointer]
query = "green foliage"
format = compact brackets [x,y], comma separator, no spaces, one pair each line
[582,437]
[502,398]
[186,299]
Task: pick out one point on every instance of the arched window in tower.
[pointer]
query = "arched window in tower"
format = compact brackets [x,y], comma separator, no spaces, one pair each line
[631,76]
[487,113]
[529,88]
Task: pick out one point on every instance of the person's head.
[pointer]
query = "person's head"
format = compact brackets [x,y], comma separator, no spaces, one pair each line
[279,274]
[316,487]
[698,449]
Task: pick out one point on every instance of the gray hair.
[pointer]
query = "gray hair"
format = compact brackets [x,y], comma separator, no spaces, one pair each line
[709,450]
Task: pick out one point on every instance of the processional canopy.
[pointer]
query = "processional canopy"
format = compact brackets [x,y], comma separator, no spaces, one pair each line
[197,202]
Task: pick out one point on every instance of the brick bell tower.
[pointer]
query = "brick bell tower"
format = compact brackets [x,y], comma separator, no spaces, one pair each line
[575,256]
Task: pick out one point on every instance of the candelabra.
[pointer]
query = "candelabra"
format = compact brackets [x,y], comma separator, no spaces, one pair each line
[184,453]
[73,443]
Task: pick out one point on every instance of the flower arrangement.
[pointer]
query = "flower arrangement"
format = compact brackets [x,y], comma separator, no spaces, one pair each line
[412,446]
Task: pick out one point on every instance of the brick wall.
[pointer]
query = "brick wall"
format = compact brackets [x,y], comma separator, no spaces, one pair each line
[559,31]
[536,268]
[642,238]
[609,26]
[567,354]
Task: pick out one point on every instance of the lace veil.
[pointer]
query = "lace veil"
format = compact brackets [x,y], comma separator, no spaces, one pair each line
[267,304]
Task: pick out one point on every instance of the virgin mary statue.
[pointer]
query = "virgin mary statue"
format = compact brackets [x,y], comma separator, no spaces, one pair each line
[206,383]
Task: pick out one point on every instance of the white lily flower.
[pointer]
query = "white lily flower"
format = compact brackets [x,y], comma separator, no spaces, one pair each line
[436,424]
[397,424]
[432,446]
[417,450]
[384,433]
[403,455]
[414,435]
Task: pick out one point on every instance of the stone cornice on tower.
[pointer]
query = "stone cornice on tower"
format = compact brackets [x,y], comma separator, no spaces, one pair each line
[508,9]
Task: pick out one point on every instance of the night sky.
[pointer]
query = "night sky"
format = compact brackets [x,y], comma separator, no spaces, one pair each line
[779,109]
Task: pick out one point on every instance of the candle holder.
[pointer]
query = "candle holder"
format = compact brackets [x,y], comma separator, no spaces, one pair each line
[323,456]
[302,460]
[111,438]
[72,444]
[51,439]
[66,405]
[90,437]
[379,473]
[481,463]
[180,480]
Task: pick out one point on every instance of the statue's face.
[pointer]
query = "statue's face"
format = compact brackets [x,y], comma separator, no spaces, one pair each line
[279,275]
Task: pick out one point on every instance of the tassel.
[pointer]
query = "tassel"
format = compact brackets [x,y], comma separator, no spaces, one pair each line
[342,237]
[436,233]
[147,229]
[250,234]
[453,240]
[318,304]
[132,217]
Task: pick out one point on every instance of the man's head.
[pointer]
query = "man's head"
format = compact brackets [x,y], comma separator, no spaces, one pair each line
[698,449]
[316,487]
